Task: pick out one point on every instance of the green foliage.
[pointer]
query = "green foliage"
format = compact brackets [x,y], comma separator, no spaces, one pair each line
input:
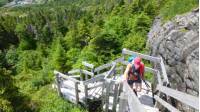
[51,102]
[29,60]
[141,24]
[135,42]
[173,7]
[103,45]
[58,56]
[59,35]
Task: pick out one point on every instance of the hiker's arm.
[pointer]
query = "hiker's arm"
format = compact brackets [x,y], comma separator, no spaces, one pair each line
[126,72]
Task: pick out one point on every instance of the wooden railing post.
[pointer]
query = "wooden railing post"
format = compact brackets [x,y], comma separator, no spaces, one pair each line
[115,97]
[86,94]
[107,96]
[103,94]
[123,102]
[81,77]
[58,85]
[76,92]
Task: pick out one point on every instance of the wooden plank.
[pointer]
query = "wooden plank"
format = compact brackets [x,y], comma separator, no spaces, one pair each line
[159,78]
[123,102]
[165,104]
[58,84]
[65,76]
[164,73]
[88,73]
[133,101]
[88,64]
[111,70]
[147,57]
[98,85]
[71,95]
[86,94]
[96,78]
[182,97]
[76,93]
[108,64]
[107,96]
[81,77]
[102,67]
[74,76]
[115,99]
[74,71]
[118,60]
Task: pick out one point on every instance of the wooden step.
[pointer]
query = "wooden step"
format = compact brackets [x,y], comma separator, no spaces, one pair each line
[150,109]
[70,95]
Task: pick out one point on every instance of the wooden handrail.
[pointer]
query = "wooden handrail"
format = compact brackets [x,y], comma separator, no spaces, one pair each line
[182,97]
[147,69]
[111,70]
[108,64]
[87,73]
[65,76]
[94,79]
[147,57]
[88,64]
[165,104]
[163,71]
[74,71]
[133,102]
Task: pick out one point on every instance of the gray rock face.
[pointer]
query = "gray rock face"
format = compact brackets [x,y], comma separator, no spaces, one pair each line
[177,42]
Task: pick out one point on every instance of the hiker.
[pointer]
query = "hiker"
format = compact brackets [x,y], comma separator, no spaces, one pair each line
[133,74]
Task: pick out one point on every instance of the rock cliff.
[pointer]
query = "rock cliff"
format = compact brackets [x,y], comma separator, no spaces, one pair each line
[177,42]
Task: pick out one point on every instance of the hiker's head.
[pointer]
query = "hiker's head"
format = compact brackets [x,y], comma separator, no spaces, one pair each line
[131,58]
[137,62]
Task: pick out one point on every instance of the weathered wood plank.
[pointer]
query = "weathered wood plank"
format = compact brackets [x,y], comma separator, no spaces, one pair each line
[94,79]
[76,93]
[74,76]
[107,65]
[133,101]
[182,97]
[74,71]
[165,104]
[87,73]
[159,78]
[147,57]
[65,76]
[86,94]
[123,102]
[164,73]
[111,70]
[71,95]
[88,64]
[115,99]
[98,85]
[102,67]
[107,96]
[58,84]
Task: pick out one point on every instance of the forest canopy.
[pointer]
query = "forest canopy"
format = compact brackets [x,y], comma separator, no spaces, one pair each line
[59,35]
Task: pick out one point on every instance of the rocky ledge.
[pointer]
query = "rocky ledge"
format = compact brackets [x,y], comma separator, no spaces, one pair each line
[177,42]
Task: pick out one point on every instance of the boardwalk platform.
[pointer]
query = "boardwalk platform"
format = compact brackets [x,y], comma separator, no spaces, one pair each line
[105,83]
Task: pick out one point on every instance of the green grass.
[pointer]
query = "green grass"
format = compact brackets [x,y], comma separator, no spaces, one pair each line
[172,8]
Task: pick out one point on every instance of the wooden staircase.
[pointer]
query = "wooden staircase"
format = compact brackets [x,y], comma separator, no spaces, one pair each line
[105,83]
